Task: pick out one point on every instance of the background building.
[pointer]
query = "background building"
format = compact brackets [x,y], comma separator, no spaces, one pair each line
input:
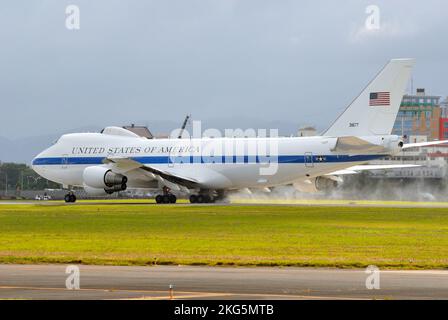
[307,131]
[443,129]
[421,118]
[419,115]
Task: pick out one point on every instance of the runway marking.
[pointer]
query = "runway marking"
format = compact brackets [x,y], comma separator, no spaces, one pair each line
[182,294]
[81,289]
[419,272]
[263,295]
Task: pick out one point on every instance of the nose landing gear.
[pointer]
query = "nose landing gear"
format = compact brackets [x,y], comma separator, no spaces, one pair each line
[166,197]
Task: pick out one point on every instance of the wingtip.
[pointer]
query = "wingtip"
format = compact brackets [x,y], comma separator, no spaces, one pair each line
[408,61]
[403,59]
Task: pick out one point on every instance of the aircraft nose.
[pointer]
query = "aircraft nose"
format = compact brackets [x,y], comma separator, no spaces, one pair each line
[36,163]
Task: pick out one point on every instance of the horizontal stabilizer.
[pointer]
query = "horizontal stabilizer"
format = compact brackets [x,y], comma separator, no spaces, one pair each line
[423,144]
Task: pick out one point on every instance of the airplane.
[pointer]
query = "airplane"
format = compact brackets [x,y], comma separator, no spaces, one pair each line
[207,168]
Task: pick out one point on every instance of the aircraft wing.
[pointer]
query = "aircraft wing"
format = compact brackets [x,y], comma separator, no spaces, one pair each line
[122,164]
[172,181]
[423,144]
[369,167]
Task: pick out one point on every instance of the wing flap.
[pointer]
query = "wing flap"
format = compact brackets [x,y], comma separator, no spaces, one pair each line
[172,181]
[164,177]
[369,167]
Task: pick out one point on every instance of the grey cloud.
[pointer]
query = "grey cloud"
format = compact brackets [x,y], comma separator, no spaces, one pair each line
[143,61]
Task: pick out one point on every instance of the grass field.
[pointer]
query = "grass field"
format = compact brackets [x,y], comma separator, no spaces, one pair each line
[144,234]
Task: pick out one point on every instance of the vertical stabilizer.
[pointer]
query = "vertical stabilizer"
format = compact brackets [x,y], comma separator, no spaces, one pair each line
[374,111]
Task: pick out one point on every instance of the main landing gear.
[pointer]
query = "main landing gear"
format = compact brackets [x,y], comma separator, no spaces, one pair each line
[166,197]
[204,196]
[201,198]
[207,196]
[70,197]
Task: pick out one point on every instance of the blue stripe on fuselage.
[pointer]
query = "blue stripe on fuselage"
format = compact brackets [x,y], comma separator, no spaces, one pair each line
[210,159]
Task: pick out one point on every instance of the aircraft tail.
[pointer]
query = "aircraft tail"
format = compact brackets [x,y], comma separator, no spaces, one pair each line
[374,111]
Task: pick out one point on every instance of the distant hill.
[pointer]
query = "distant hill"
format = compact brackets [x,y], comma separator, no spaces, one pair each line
[23,150]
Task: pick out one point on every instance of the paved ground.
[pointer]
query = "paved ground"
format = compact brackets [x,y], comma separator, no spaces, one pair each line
[112,282]
[246,202]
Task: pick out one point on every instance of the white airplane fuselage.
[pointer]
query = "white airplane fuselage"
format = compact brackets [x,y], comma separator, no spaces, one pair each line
[215,163]
[117,159]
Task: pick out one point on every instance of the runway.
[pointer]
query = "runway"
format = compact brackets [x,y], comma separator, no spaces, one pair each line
[243,202]
[122,282]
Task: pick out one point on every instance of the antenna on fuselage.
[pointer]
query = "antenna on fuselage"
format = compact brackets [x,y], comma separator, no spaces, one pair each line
[183,126]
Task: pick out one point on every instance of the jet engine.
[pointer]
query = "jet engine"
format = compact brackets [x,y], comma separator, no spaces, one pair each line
[102,192]
[318,184]
[103,180]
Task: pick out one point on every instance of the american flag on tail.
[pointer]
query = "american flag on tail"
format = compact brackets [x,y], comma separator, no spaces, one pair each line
[379,99]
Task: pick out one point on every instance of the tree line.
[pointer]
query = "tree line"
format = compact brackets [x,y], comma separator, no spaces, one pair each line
[19,176]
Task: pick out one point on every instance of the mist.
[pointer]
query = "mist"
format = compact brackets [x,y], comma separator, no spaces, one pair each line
[360,187]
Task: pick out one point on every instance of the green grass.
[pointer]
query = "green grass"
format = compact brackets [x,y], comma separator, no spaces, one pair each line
[145,234]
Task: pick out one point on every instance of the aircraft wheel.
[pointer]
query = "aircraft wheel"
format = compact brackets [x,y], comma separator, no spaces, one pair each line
[201,198]
[70,197]
[159,198]
[166,198]
[172,198]
[207,198]
[193,198]
[220,197]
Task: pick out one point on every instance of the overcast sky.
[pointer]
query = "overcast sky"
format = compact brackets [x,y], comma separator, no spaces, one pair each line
[139,61]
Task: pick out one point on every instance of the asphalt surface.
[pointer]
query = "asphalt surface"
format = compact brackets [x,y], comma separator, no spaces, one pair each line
[115,282]
[263,203]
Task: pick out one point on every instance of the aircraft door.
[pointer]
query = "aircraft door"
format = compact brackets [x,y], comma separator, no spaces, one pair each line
[64,161]
[308,159]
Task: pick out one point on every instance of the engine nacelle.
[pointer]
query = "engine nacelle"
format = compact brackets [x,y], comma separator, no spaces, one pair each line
[105,191]
[116,188]
[103,178]
[95,191]
[317,184]
[394,144]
